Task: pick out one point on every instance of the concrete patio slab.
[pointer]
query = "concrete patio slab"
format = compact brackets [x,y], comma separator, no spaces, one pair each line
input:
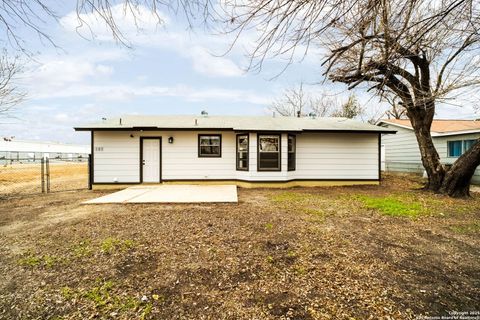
[119,197]
[171,194]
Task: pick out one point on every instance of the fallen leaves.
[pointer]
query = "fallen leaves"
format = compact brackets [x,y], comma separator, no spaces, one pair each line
[303,253]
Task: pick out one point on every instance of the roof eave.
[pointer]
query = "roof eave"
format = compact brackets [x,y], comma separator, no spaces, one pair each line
[150,128]
[396,124]
[454,133]
[350,131]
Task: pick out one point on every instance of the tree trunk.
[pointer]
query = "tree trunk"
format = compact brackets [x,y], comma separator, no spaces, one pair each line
[457,179]
[421,120]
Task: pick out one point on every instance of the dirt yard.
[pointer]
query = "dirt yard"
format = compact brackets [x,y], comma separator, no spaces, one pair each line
[388,252]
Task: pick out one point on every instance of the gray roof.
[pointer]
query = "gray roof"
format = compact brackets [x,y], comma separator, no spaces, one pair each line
[236,123]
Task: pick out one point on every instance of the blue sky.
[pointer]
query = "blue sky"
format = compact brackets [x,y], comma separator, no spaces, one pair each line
[169,69]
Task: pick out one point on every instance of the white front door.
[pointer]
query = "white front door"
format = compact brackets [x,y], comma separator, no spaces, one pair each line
[151,160]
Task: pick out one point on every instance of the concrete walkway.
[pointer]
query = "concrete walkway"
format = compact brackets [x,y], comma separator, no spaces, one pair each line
[171,194]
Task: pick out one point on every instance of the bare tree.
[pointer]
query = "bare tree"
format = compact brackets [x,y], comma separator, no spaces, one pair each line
[10,94]
[292,103]
[296,102]
[422,52]
[390,53]
[324,105]
[396,111]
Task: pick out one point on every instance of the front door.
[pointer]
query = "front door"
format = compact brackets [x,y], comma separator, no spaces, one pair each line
[151,160]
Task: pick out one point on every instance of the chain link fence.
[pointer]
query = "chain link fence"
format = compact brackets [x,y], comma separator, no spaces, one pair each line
[30,176]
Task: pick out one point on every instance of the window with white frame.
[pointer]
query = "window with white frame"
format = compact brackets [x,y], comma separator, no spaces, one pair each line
[467,144]
[456,148]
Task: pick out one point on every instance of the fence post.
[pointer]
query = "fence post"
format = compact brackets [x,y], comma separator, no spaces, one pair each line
[47,165]
[90,176]
[42,173]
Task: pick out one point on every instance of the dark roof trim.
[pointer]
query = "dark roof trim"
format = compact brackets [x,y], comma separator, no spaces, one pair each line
[152,129]
[231,129]
[349,131]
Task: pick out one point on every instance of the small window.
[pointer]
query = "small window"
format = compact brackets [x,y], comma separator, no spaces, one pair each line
[455,148]
[291,152]
[242,152]
[467,144]
[269,153]
[209,145]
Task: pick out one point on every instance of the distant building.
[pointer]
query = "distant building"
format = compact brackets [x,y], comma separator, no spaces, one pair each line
[450,137]
[32,150]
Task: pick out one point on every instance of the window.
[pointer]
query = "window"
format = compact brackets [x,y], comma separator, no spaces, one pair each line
[242,152]
[209,145]
[292,141]
[269,152]
[455,148]
[467,144]
[458,147]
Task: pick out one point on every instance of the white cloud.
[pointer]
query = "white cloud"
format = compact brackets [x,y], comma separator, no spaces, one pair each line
[55,125]
[58,72]
[141,29]
[56,75]
[130,22]
[126,93]
[103,70]
[61,117]
[53,73]
[206,63]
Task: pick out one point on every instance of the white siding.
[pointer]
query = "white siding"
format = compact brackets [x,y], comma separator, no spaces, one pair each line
[403,154]
[180,159]
[119,158]
[401,151]
[337,156]
[319,156]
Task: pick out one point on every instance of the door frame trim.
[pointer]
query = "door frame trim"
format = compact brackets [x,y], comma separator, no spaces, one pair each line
[159,159]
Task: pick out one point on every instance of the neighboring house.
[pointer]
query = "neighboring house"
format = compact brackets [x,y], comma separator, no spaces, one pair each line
[231,149]
[15,149]
[450,137]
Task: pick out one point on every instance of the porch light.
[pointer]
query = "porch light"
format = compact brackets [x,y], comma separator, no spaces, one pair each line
[170,140]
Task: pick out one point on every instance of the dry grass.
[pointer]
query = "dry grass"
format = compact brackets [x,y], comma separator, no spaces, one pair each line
[26,178]
[302,253]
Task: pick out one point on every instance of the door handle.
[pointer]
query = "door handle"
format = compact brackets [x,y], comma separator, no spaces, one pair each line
[143,162]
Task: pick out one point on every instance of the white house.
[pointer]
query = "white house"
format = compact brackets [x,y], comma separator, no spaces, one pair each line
[450,137]
[246,151]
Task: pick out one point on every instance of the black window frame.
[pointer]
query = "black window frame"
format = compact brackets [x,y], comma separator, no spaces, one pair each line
[237,151]
[292,165]
[219,155]
[259,135]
